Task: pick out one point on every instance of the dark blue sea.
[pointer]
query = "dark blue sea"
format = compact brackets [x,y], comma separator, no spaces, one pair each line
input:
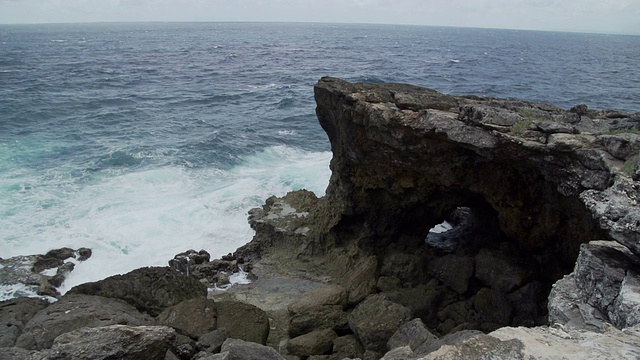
[147,139]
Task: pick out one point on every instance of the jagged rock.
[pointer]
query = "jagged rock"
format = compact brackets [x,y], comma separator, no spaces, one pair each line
[212,341]
[399,353]
[245,350]
[375,320]
[14,314]
[185,261]
[566,307]
[83,254]
[318,342]
[72,312]
[114,341]
[626,307]
[412,334]
[150,289]
[243,321]
[347,347]
[193,317]
[454,271]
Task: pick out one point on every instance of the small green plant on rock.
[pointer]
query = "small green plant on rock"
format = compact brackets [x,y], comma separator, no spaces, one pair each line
[529,117]
[630,166]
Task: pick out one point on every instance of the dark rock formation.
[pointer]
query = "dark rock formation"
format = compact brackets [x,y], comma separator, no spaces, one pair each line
[243,321]
[114,342]
[239,349]
[14,315]
[73,312]
[148,289]
[41,274]
[194,317]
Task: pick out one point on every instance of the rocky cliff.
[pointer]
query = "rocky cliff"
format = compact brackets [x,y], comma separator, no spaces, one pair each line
[453,227]
[466,211]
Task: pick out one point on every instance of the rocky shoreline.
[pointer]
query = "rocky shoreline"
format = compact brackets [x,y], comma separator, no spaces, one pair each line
[540,258]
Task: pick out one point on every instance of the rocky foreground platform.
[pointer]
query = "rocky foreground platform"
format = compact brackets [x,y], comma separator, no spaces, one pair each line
[536,253]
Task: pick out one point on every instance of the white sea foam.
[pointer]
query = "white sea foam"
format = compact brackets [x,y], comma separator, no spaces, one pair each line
[144,218]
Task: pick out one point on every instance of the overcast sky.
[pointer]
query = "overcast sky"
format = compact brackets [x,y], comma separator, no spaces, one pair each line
[609,16]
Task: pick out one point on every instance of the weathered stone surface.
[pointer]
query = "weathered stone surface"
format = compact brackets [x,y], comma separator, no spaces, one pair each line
[239,349]
[320,317]
[213,340]
[243,321]
[529,304]
[347,347]
[423,299]
[150,289]
[318,342]
[194,317]
[326,295]
[622,146]
[14,314]
[75,311]
[15,353]
[399,353]
[453,271]
[375,320]
[114,342]
[413,334]
[362,280]
[626,307]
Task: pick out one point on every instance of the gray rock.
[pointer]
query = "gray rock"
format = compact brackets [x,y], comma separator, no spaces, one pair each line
[150,289]
[318,342]
[15,353]
[412,334]
[622,146]
[212,341]
[375,320]
[626,307]
[194,317]
[566,307]
[14,314]
[245,350]
[399,353]
[326,295]
[388,283]
[320,317]
[453,271]
[243,321]
[600,269]
[114,342]
[362,280]
[347,347]
[423,299]
[73,312]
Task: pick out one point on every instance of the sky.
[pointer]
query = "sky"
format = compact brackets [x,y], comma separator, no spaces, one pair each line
[601,16]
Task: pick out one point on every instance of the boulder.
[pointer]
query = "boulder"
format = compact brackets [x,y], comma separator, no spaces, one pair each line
[150,289]
[193,317]
[14,314]
[399,353]
[318,342]
[453,271]
[212,341]
[114,342]
[243,321]
[376,319]
[326,295]
[76,311]
[245,350]
[320,317]
[347,347]
[16,353]
[412,334]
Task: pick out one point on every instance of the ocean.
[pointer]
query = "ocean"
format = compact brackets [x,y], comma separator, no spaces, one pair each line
[143,140]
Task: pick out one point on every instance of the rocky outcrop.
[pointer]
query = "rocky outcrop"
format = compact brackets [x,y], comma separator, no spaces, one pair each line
[150,289]
[40,274]
[465,211]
